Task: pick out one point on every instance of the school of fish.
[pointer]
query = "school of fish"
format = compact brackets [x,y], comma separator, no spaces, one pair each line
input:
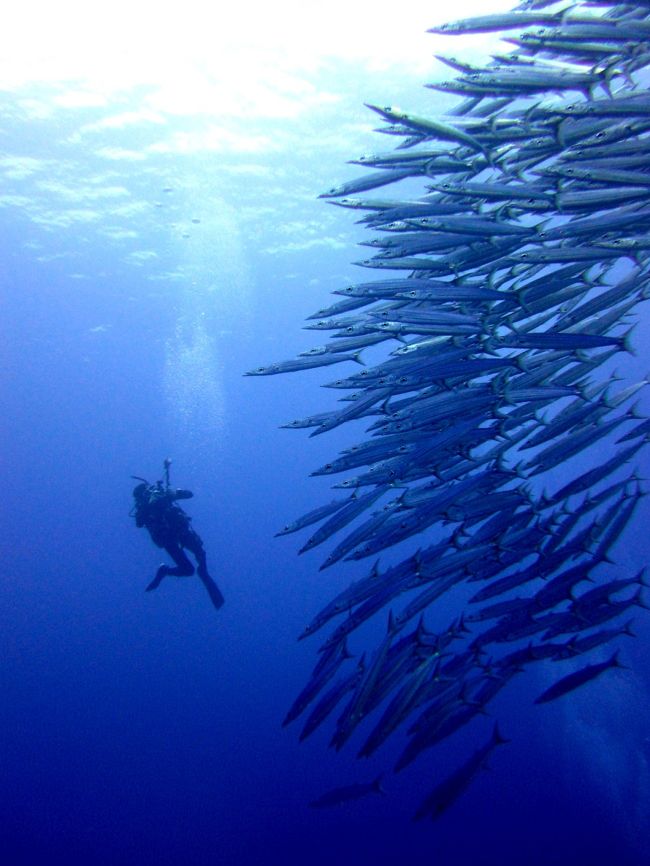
[501,445]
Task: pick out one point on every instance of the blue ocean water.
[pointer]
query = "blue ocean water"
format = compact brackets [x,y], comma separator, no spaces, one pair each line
[151,255]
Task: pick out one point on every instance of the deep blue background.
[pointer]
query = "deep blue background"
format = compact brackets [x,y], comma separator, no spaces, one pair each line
[146,728]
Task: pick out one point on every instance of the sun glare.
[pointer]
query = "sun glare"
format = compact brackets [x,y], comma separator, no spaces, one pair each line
[192,45]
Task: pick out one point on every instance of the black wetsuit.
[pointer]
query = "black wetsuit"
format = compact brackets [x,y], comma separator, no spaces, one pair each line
[170,528]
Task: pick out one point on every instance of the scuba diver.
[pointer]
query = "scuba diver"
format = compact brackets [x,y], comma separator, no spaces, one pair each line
[169,527]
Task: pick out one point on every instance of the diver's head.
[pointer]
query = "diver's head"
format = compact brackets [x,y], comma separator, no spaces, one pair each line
[140,492]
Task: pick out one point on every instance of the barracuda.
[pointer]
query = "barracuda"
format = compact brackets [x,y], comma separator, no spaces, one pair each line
[492,429]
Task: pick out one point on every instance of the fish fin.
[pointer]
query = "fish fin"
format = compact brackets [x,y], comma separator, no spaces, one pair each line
[571,644]
[627,628]
[497,738]
[460,627]
[345,652]
[420,628]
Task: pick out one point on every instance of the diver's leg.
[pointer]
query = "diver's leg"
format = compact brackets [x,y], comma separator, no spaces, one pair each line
[192,541]
[194,544]
[183,567]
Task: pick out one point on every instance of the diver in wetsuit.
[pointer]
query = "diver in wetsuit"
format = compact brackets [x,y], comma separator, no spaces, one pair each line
[170,528]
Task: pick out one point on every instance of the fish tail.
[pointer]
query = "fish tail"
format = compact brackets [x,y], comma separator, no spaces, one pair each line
[626,341]
[541,227]
[490,159]
[559,131]
[607,72]
[520,361]
[634,413]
